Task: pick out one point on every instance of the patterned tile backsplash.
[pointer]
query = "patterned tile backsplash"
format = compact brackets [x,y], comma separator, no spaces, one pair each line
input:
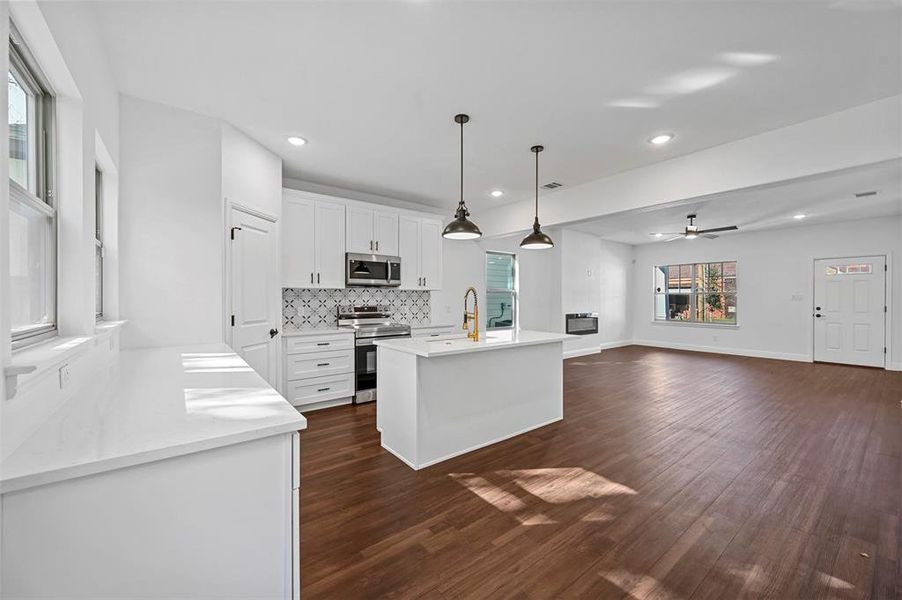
[316,309]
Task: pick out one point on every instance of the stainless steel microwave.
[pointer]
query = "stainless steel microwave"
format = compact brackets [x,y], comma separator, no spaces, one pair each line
[372,270]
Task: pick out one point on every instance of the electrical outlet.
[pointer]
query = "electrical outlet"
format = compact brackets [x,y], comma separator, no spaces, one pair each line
[65,376]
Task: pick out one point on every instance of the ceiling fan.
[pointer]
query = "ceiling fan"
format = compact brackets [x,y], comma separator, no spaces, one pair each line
[692,231]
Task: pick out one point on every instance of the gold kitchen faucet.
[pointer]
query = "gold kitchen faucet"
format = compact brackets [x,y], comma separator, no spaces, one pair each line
[471,316]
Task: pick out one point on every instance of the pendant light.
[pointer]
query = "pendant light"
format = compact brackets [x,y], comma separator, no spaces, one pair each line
[461,228]
[537,240]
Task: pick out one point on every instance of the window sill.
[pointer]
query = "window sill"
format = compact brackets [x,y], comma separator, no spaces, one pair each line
[695,324]
[42,358]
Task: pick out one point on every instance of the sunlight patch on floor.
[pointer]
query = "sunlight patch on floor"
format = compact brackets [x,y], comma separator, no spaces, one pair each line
[834,583]
[568,484]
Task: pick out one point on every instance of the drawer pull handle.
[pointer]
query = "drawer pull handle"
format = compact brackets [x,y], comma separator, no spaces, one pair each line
[323,364]
[323,343]
[323,389]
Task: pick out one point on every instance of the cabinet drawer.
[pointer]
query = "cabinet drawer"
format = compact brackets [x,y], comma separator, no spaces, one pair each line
[320,389]
[319,343]
[315,364]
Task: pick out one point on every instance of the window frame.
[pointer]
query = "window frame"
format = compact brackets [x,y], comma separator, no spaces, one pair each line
[514,291]
[98,241]
[693,294]
[42,200]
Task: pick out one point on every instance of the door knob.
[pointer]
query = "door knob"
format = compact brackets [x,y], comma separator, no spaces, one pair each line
[818,315]
[817,308]
[273,333]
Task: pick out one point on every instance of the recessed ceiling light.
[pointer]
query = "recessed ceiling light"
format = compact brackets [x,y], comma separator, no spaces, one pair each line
[296,141]
[658,235]
[799,216]
[661,138]
[497,193]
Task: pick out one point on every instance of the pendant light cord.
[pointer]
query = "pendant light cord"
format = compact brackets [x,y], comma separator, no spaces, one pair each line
[461,164]
[537,187]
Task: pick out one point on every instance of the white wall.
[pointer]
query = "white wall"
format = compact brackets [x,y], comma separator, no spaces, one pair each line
[179,169]
[772,267]
[171,225]
[595,277]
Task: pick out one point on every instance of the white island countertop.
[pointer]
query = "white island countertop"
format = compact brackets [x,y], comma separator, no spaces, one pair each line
[150,405]
[493,341]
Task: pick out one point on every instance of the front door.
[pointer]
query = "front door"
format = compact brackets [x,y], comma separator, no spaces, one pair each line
[850,310]
[255,292]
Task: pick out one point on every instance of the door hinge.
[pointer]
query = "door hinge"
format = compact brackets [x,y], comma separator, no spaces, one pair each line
[233,320]
[232,232]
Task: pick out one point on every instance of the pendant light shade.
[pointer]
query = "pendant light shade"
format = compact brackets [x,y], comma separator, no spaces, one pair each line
[537,240]
[461,228]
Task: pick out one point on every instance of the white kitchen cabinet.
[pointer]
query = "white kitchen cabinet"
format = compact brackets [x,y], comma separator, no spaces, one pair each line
[431,253]
[420,249]
[313,242]
[318,368]
[409,251]
[385,232]
[330,245]
[372,231]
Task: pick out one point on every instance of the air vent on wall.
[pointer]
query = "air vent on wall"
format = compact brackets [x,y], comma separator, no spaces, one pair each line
[865,194]
[552,185]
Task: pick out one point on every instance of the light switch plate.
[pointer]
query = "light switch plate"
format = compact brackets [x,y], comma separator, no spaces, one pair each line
[798,297]
[65,376]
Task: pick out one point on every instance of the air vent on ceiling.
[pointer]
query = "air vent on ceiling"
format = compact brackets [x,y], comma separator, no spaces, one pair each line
[552,185]
[865,194]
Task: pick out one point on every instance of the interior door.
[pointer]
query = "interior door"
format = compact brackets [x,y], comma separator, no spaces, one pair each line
[431,253]
[360,231]
[409,251]
[298,267]
[385,225]
[330,245]
[255,292]
[850,310]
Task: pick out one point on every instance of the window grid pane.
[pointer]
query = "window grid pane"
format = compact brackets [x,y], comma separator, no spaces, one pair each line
[501,290]
[700,292]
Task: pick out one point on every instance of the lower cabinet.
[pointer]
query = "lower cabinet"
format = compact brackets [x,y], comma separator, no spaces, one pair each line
[319,369]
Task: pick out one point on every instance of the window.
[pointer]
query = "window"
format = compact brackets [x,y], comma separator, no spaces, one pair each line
[501,290]
[32,223]
[98,243]
[696,293]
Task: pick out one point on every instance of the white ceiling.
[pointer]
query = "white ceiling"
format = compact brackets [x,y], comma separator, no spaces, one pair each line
[822,199]
[374,85]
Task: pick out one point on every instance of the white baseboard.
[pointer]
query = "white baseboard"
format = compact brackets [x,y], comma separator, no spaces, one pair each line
[618,344]
[596,349]
[894,366]
[719,350]
[581,352]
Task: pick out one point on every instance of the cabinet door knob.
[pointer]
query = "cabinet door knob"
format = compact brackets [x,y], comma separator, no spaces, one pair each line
[377,245]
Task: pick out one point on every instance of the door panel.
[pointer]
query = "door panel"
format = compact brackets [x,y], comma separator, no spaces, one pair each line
[297,242]
[360,230]
[330,245]
[409,251]
[386,233]
[255,292]
[431,253]
[849,310]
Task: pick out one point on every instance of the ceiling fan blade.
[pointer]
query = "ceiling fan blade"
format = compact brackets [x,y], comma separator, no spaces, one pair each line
[709,236]
[677,236]
[730,228]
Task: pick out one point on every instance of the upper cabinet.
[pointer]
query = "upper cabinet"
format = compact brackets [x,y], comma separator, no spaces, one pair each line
[420,249]
[372,231]
[313,242]
[318,230]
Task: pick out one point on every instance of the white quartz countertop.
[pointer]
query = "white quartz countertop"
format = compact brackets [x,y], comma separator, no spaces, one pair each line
[493,341]
[150,405]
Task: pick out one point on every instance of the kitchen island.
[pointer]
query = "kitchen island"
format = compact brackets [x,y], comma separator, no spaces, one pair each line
[173,473]
[439,399]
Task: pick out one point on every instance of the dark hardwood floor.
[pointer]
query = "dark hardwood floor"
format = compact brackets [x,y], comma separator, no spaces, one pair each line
[673,475]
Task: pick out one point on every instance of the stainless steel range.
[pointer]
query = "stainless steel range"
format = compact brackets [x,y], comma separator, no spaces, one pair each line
[369,323]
